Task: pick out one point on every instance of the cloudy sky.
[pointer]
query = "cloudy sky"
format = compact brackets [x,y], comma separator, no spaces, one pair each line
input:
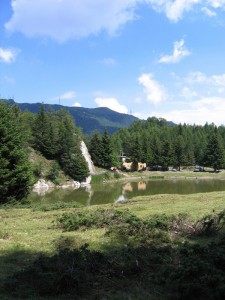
[163,58]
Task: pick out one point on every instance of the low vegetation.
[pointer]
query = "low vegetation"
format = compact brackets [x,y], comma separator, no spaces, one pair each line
[134,250]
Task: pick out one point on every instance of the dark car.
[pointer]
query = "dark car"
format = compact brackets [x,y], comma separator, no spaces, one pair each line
[158,168]
[199,169]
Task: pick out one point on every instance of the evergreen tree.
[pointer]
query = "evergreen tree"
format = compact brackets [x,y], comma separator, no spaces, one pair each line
[70,155]
[27,120]
[215,152]
[136,149]
[167,154]
[43,134]
[95,149]
[15,174]
[179,151]
[106,150]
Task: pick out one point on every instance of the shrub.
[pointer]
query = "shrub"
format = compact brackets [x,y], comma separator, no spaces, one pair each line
[210,224]
[53,172]
[99,218]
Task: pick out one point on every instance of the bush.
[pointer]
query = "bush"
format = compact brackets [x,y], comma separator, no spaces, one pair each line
[37,170]
[120,225]
[98,219]
[210,224]
[53,172]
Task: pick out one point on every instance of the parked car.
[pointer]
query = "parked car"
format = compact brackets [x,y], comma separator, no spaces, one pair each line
[199,169]
[175,169]
[158,168]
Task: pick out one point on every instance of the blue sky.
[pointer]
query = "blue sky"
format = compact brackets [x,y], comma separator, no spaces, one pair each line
[158,58]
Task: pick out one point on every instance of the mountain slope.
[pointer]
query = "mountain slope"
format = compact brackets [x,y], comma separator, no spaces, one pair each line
[88,119]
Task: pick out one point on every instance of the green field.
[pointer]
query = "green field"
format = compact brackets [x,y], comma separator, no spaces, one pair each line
[125,251]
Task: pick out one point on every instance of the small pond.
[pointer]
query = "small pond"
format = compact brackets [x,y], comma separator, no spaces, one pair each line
[119,191]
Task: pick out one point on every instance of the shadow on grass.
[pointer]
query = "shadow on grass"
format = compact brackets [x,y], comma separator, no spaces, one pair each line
[132,271]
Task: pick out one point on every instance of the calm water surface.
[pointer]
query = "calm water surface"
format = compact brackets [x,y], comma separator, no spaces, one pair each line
[110,193]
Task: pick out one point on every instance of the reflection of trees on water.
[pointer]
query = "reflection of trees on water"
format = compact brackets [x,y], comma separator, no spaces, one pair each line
[106,193]
[80,195]
[130,187]
[111,192]
[180,186]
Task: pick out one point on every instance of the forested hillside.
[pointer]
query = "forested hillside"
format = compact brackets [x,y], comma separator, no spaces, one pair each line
[52,134]
[88,119]
[156,142]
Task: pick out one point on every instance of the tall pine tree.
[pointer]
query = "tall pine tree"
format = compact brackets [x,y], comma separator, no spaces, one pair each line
[215,152]
[15,174]
[70,155]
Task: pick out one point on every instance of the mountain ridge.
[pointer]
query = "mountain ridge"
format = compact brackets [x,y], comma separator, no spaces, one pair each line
[88,119]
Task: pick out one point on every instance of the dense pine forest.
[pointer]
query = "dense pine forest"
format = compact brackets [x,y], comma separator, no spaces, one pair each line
[157,143]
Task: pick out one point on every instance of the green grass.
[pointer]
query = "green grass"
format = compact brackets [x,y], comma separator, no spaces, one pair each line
[196,205]
[25,233]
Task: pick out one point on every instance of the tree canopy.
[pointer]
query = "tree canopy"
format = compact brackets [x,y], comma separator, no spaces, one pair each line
[15,169]
[157,142]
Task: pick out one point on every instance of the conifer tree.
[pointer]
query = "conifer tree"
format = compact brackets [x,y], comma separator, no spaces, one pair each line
[70,156]
[179,151]
[215,152]
[15,174]
[106,150]
[42,133]
[95,149]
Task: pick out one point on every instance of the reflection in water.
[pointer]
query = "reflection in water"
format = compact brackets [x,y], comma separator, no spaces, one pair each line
[120,191]
[141,185]
[128,187]
[89,190]
[121,199]
[42,191]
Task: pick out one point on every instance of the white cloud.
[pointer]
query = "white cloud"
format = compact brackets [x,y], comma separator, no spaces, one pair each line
[217,3]
[65,19]
[155,92]
[200,100]
[8,55]
[174,10]
[209,12]
[177,8]
[209,110]
[188,93]
[201,78]
[77,104]
[111,103]
[196,77]
[68,95]
[179,52]
[62,20]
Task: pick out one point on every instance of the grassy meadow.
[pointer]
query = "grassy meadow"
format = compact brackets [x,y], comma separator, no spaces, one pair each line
[130,250]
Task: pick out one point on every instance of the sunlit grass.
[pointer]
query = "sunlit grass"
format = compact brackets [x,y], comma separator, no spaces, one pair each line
[196,205]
